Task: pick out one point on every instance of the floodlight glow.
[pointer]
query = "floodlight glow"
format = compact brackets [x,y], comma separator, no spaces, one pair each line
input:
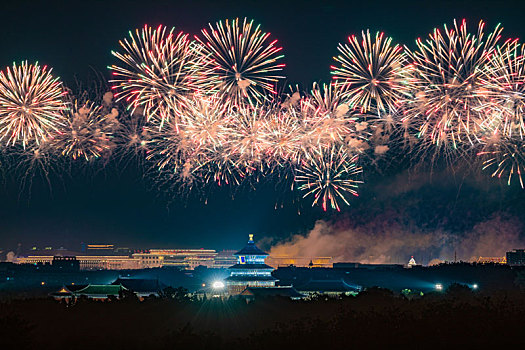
[439,286]
[475,286]
[218,285]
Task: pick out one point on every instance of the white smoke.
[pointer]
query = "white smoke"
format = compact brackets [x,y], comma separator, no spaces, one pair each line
[387,242]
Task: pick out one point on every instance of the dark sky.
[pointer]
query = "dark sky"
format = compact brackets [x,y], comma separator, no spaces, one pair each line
[76,38]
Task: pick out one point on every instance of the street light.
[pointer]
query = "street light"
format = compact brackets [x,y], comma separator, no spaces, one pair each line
[218,285]
[439,287]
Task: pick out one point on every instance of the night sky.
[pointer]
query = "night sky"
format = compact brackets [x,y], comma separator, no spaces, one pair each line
[118,205]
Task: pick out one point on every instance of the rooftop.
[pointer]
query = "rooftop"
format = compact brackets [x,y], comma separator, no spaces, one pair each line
[251,248]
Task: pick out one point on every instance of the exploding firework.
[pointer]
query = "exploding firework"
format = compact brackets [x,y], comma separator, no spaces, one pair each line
[329,120]
[158,71]
[246,62]
[506,158]
[206,121]
[31,104]
[504,78]
[446,82]
[283,132]
[371,72]
[329,176]
[133,136]
[87,134]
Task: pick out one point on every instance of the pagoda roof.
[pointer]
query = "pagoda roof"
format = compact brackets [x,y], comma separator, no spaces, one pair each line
[94,289]
[251,267]
[63,292]
[251,249]
[251,278]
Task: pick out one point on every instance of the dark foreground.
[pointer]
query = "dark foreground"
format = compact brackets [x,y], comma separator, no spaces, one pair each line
[374,319]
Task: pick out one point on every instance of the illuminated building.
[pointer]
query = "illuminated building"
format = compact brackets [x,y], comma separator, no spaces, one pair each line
[88,262]
[98,249]
[250,270]
[91,291]
[225,259]
[411,263]
[187,259]
[516,257]
[491,260]
[277,261]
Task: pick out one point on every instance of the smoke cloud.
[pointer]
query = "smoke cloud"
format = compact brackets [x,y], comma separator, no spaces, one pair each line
[384,241]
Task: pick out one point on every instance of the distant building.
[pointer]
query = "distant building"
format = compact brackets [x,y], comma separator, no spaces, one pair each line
[516,257]
[250,270]
[354,265]
[411,262]
[99,292]
[91,291]
[490,260]
[99,249]
[225,259]
[87,262]
[277,261]
[187,259]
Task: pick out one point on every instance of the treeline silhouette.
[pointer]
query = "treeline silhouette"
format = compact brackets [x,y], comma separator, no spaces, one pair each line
[376,318]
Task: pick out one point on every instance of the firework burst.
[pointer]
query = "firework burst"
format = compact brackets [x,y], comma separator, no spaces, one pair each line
[87,134]
[504,78]
[446,83]
[329,120]
[371,72]
[246,62]
[506,158]
[31,104]
[328,176]
[158,70]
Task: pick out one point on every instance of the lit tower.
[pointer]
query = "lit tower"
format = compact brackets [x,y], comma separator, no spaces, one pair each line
[250,270]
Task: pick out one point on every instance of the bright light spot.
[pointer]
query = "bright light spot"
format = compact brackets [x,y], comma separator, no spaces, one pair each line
[218,285]
[42,283]
[475,286]
[439,286]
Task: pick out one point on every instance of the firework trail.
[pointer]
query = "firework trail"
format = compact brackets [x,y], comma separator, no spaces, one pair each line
[31,104]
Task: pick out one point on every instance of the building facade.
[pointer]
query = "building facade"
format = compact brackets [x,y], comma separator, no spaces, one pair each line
[87,262]
[250,270]
[277,261]
[516,257]
[185,259]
